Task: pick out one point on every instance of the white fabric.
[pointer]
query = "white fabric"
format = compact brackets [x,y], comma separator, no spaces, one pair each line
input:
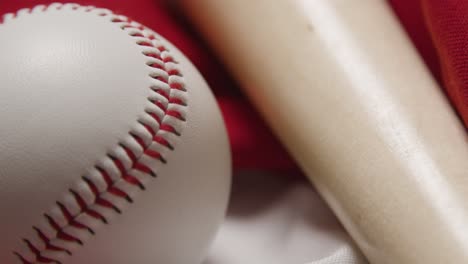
[276,219]
[343,255]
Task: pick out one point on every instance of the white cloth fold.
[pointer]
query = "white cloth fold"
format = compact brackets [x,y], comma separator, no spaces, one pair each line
[274,219]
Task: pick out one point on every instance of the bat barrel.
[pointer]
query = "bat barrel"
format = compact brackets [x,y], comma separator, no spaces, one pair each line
[342,86]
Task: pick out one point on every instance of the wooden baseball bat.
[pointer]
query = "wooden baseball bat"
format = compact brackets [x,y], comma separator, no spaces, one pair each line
[342,86]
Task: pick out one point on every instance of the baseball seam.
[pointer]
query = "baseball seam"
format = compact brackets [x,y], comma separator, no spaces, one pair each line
[118,177]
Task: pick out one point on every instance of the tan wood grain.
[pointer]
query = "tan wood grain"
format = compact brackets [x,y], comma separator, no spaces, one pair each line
[342,86]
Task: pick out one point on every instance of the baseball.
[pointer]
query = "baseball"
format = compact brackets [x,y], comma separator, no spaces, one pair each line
[112,147]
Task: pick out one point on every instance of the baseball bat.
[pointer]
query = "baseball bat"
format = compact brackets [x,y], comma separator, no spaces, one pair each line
[344,89]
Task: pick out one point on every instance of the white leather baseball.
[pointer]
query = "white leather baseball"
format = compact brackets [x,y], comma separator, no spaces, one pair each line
[112,148]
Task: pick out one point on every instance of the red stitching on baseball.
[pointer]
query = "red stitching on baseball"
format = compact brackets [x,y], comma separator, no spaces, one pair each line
[104,203]
[156,66]
[67,237]
[143,168]
[176,114]
[139,140]
[73,222]
[130,153]
[48,243]
[160,78]
[178,86]
[153,55]
[92,187]
[164,94]
[170,129]
[136,34]
[174,72]
[159,104]
[155,155]
[155,117]
[168,59]
[37,253]
[163,142]
[107,178]
[119,193]
[178,101]
[84,205]
[134,181]
[146,44]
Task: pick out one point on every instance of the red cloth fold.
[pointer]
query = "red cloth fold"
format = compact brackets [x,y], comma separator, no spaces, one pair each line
[447,20]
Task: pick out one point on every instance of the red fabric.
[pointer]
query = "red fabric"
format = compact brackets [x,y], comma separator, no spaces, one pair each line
[447,21]
[411,16]
[439,29]
[252,143]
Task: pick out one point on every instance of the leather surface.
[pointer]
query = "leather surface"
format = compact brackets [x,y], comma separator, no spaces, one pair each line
[73,84]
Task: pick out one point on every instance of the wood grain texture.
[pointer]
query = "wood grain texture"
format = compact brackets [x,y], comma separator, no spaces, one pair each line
[344,89]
